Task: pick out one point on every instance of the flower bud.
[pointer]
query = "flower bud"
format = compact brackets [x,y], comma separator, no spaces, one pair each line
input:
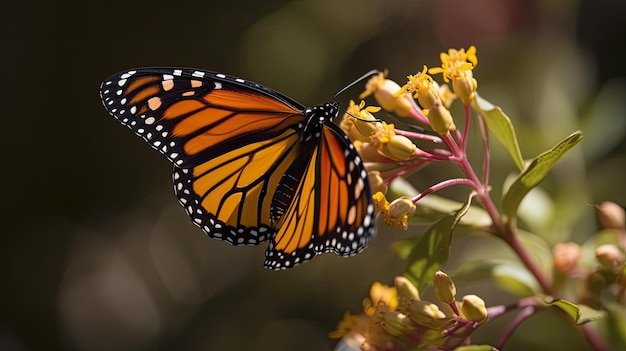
[399,148]
[396,323]
[611,215]
[364,128]
[369,152]
[440,119]
[400,211]
[445,290]
[565,256]
[405,288]
[384,91]
[465,86]
[473,308]
[356,121]
[427,314]
[609,256]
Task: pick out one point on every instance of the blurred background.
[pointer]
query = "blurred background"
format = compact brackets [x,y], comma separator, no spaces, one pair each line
[96,253]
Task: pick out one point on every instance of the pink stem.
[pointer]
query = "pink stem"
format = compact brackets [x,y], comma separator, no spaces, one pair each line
[441,185]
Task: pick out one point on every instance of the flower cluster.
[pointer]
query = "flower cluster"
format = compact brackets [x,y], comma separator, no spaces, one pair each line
[389,152]
[397,318]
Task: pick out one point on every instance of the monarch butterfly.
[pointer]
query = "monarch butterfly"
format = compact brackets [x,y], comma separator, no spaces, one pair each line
[250,164]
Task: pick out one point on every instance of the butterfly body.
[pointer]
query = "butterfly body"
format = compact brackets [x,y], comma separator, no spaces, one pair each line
[250,164]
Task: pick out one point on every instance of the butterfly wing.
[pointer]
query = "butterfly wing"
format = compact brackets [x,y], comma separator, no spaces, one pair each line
[230,141]
[331,209]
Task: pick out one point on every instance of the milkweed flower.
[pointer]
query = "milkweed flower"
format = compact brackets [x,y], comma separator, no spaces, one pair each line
[397,213]
[395,318]
[356,122]
[423,88]
[400,211]
[426,90]
[384,91]
[395,147]
[457,66]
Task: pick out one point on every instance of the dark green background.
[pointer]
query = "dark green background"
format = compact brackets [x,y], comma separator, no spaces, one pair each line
[90,223]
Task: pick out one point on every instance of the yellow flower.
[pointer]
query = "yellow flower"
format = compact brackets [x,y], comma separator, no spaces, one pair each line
[355,124]
[384,91]
[381,297]
[400,211]
[396,213]
[395,147]
[423,88]
[455,67]
[347,324]
[380,202]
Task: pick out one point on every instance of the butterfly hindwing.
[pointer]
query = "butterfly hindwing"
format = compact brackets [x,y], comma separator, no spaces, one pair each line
[331,210]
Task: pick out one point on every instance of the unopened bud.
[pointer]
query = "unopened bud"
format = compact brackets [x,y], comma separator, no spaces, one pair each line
[384,91]
[405,288]
[465,86]
[611,215]
[396,323]
[427,314]
[399,148]
[440,119]
[445,290]
[473,308]
[565,256]
[609,256]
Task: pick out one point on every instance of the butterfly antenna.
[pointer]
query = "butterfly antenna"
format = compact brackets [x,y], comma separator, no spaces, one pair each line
[357,81]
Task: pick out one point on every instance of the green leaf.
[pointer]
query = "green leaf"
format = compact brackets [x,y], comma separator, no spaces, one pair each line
[580,314]
[534,173]
[500,125]
[430,252]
